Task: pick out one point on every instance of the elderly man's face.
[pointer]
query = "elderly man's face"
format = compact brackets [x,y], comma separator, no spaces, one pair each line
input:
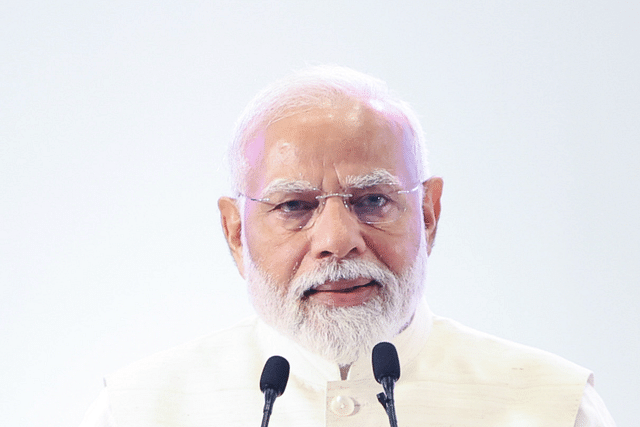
[344,149]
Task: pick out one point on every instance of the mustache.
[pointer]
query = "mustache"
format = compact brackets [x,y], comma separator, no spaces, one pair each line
[335,270]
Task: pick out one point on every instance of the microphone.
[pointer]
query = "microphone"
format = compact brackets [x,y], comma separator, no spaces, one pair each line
[386,370]
[273,381]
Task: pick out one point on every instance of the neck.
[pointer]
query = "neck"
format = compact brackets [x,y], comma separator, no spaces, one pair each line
[344,371]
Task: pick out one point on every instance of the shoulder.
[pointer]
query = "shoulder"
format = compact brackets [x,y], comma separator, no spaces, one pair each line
[208,356]
[458,349]
[191,384]
[494,380]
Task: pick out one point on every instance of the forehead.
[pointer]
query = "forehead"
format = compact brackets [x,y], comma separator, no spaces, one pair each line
[329,146]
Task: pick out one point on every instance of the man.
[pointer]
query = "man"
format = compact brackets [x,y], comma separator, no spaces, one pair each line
[331,227]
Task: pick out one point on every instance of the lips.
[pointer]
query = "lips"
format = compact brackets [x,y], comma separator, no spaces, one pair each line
[343,292]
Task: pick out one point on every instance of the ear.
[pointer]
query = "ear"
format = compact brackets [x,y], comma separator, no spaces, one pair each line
[431,208]
[232,228]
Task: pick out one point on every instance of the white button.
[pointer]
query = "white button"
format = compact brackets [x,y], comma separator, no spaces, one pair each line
[342,405]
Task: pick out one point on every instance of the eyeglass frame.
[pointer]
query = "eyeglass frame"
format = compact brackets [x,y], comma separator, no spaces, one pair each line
[322,201]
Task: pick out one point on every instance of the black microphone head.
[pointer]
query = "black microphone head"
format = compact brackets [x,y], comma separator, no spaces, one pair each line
[385,361]
[275,374]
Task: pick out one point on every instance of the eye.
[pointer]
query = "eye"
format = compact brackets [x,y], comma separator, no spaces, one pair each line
[295,206]
[371,201]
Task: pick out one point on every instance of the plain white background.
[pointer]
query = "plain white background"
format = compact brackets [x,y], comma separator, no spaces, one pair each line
[114,120]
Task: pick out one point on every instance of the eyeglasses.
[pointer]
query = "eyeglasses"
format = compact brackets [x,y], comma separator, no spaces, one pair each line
[298,210]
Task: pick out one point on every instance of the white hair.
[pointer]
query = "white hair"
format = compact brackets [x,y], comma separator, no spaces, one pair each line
[318,86]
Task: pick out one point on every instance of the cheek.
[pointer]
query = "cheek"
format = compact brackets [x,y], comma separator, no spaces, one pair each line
[278,256]
[399,255]
[398,252]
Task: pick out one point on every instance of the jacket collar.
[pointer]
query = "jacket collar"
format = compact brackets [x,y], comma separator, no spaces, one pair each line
[316,371]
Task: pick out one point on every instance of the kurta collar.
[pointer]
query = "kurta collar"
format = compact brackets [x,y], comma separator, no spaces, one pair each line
[317,371]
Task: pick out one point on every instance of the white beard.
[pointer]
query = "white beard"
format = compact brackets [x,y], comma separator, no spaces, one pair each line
[339,334]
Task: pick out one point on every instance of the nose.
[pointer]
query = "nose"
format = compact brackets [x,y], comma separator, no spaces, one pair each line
[336,232]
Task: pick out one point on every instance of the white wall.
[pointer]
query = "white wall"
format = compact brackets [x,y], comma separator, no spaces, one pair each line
[114,117]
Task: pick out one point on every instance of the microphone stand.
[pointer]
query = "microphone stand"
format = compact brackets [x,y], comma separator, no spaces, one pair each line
[386,400]
[270,395]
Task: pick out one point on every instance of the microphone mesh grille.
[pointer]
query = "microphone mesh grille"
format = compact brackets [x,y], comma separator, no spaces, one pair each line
[385,361]
[275,374]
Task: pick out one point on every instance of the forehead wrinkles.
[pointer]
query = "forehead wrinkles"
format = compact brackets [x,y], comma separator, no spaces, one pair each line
[336,138]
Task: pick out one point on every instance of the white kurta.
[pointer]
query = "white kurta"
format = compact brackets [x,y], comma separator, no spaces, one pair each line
[450,376]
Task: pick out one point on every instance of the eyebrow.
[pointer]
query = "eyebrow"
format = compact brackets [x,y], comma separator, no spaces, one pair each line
[286,185]
[377,177]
